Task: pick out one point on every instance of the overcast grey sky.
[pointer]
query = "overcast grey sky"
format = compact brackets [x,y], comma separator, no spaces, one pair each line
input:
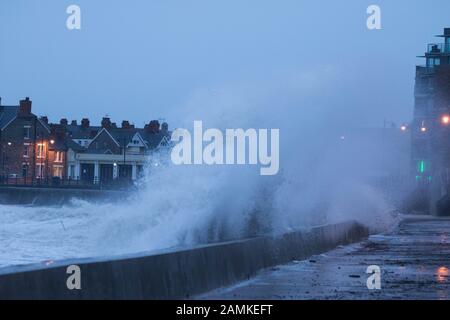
[145,59]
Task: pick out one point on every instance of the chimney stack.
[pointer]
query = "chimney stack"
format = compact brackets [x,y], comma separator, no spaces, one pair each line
[25,106]
[153,126]
[125,124]
[58,130]
[165,127]
[106,122]
[74,123]
[85,123]
[44,119]
[63,122]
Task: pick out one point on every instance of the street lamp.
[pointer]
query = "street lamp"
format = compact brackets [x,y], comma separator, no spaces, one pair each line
[445,120]
[52,141]
[403,127]
[5,159]
[423,129]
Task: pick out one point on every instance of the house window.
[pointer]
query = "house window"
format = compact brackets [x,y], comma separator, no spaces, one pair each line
[431,62]
[41,150]
[58,156]
[25,151]
[24,170]
[39,170]
[58,171]
[26,132]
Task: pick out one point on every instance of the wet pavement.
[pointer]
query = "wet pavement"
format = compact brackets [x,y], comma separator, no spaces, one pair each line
[414,261]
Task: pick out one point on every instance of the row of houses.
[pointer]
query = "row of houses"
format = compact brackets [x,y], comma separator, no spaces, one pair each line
[32,150]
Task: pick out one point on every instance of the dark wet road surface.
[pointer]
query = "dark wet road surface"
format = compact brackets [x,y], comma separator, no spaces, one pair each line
[414,261]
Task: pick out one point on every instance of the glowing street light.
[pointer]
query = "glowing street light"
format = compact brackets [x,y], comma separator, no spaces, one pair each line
[52,141]
[403,127]
[423,129]
[445,120]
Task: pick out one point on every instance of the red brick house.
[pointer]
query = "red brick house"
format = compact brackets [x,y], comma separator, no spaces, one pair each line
[34,151]
[29,151]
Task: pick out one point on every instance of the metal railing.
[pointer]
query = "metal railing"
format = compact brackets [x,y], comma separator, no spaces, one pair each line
[438,48]
[70,182]
[426,69]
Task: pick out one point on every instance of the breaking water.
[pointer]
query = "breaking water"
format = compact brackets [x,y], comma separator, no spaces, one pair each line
[325,176]
[177,207]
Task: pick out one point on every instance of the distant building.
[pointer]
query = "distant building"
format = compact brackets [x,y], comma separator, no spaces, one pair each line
[431,124]
[101,154]
[27,149]
[34,151]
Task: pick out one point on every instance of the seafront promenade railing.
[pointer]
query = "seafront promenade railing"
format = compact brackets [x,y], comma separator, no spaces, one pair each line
[56,182]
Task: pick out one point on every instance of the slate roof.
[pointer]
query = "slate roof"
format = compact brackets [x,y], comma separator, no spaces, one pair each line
[121,136]
[154,139]
[79,132]
[124,136]
[7,113]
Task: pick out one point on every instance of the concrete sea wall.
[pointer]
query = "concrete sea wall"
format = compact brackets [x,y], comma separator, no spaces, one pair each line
[55,196]
[173,275]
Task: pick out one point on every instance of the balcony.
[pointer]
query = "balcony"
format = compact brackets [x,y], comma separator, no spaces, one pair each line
[438,48]
[425,70]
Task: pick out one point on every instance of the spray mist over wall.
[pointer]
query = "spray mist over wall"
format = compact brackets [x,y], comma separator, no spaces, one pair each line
[327,169]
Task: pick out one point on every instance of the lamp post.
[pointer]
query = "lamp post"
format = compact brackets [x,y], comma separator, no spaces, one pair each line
[5,158]
[52,142]
[124,158]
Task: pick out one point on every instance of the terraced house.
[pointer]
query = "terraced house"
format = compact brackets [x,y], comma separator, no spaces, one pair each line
[28,150]
[34,151]
[102,154]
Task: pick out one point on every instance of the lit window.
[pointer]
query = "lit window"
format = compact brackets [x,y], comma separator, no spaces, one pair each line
[41,150]
[58,171]
[58,156]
